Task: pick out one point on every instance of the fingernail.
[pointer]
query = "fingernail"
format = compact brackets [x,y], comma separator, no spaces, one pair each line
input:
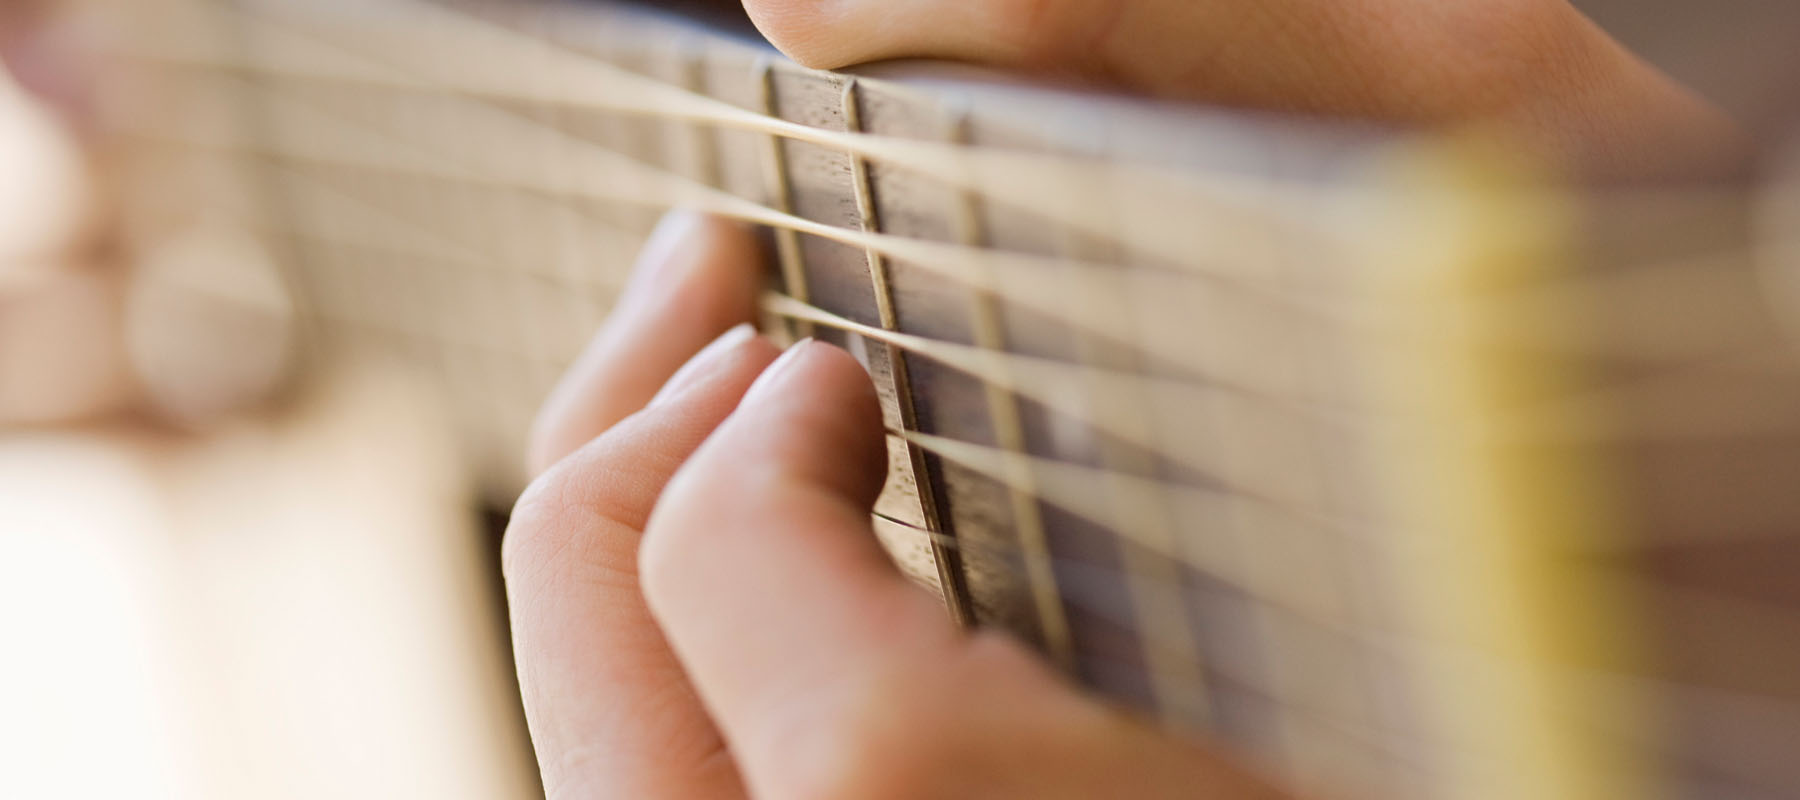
[704,361]
[771,377]
[665,251]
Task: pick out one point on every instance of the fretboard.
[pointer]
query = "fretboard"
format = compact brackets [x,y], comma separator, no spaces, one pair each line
[1404,474]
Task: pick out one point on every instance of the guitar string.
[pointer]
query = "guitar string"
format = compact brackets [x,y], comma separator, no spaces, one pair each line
[1179,669]
[1048,373]
[950,576]
[1784,709]
[969,168]
[306,140]
[590,82]
[1188,253]
[606,86]
[987,327]
[298,129]
[1040,379]
[1021,275]
[1046,379]
[1007,172]
[1726,606]
[1022,280]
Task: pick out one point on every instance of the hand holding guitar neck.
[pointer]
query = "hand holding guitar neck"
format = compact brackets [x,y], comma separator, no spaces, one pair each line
[748,636]
[700,605]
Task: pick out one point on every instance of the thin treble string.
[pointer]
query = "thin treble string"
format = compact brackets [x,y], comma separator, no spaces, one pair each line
[1086,595]
[306,141]
[306,137]
[1038,379]
[1046,388]
[1007,553]
[603,86]
[513,40]
[1044,370]
[1013,177]
[618,178]
[1017,278]
[1067,388]
[1034,377]
[1020,280]
[335,155]
[304,184]
[1443,654]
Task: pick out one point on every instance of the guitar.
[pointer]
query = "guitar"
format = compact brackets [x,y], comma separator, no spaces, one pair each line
[1395,467]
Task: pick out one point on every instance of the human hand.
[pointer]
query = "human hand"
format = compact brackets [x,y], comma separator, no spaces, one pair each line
[61,347]
[94,322]
[700,607]
[1538,71]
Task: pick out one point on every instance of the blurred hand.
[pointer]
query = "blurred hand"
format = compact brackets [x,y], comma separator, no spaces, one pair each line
[61,347]
[1537,70]
[92,324]
[700,606]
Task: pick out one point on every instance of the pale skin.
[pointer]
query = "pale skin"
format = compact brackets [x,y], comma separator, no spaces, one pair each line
[700,607]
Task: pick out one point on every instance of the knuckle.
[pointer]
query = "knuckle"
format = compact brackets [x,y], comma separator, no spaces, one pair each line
[579,511]
[534,528]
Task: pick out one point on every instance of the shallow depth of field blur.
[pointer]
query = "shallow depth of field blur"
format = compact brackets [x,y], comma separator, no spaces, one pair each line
[213,584]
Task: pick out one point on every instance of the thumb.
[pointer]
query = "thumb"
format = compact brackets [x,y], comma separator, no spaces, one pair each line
[1537,69]
[1348,56]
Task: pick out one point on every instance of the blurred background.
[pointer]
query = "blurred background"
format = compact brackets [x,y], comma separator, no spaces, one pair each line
[214,583]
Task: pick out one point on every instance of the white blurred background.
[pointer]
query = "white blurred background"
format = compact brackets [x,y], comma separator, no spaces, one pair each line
[202,596]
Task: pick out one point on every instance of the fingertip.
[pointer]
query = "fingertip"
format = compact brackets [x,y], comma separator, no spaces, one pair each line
[801,29]
[827,34]
[809,426]
[814,413]
[697,369]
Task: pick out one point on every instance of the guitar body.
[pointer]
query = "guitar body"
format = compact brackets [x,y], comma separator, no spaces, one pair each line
[1402,474]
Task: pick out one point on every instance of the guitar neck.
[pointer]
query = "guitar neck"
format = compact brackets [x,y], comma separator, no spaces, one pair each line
[1300,436]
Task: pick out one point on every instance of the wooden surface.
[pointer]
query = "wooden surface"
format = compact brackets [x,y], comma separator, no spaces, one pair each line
[1375,464]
